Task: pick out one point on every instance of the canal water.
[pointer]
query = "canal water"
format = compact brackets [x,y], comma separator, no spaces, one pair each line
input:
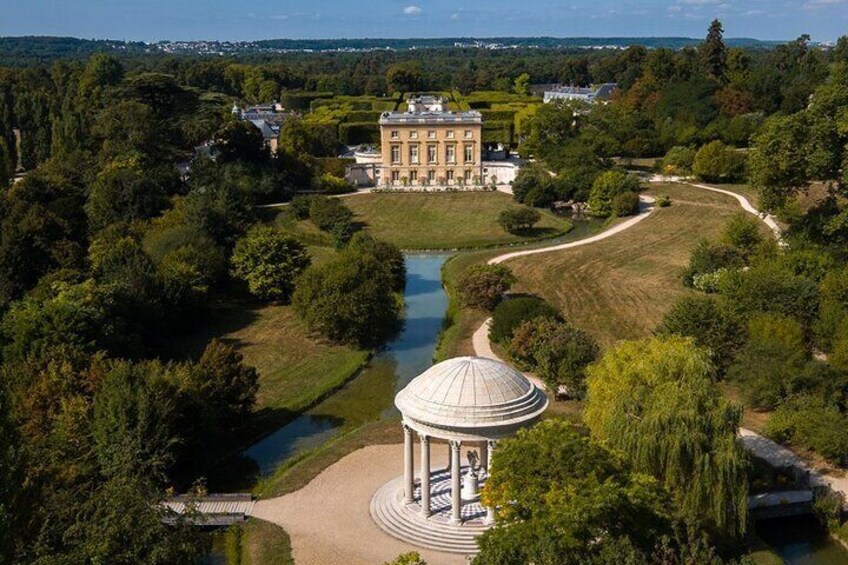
[371,394]
[801,541]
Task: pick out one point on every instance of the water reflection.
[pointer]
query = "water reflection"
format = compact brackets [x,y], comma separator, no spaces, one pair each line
[801,541]
[371,394]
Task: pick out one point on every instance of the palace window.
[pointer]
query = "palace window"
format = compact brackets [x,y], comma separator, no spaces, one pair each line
[396,154]
[413,135]
[413,154]
[395,176]
[450,176]
[431,134]
[450,154]
[467,175]
[449,134]
[431,176]
[413,176]
[469,153]
[395,134]
[469,134]
[432,154]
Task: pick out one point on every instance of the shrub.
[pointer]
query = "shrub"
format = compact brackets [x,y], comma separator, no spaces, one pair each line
[606,187]
[510,314]
[300,206]
[708,257]
[716,162]
[626,204]
[813,423]
[557,352]
[533,186]
[330,184]
[710,323]
[349,300]
[517,220]
[331,215]
[483,286]
[678,161]
[743,232]
[770,365]
[269,262]
[663,201]
[387,254]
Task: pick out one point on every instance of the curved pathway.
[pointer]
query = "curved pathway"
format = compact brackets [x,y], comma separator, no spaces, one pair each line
[746,205]
[762,447]
[618,228]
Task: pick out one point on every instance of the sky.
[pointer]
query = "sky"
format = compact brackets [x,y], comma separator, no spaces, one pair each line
[154,20]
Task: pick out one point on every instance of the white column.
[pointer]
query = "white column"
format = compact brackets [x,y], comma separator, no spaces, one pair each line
[425,475]
[484,456]
[408,478]
[456,496]
[489,446]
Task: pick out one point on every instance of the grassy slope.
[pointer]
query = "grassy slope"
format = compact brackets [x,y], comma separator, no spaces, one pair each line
[444,220]
[295,368]
[621,287]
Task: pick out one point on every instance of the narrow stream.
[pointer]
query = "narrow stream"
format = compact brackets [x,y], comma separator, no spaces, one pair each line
[801,541]
[372,392]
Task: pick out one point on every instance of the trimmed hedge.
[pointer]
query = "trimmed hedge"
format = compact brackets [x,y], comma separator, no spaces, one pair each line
[498,115]
[297,100]
[353,133]
[498,132]
[362,116]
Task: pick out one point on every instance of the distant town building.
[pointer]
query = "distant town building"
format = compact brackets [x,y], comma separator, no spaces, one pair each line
[430,146]
[602,93]
[267,118]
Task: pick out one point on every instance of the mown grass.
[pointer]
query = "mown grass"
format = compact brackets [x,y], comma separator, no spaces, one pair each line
[620,288]
[361,403]
[255,542]
[295,368]
[458,220]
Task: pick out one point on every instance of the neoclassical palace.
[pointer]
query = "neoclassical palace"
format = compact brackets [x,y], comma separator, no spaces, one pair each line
[429,146]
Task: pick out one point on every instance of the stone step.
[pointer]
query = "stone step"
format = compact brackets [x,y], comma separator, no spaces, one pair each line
[406,523]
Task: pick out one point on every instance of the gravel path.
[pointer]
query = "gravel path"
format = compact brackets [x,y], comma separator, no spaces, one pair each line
[764,448]
[618,228]
[329,520]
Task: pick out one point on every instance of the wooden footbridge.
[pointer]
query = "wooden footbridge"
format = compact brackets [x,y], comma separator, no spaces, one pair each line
[211,510]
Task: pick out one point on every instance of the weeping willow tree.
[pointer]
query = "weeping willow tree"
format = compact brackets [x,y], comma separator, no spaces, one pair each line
[655,402]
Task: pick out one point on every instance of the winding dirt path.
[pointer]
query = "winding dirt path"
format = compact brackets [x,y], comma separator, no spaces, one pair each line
[618,228]
[762,447]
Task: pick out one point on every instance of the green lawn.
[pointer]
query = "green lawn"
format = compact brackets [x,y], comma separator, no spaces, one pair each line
[253,543]
[620,288]
[295,369]
[454,220]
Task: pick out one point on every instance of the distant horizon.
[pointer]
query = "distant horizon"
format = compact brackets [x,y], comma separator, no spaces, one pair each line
[153,21]
[409,38]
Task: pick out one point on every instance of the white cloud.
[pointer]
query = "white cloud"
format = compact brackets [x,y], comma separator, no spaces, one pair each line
[412,10]
[455,16]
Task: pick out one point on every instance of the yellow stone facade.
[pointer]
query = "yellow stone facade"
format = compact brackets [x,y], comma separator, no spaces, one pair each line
[422,149]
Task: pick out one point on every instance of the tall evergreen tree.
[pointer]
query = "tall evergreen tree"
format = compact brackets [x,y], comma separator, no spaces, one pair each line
[713,53]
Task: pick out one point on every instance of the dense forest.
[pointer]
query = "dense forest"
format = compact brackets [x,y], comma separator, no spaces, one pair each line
[106,251]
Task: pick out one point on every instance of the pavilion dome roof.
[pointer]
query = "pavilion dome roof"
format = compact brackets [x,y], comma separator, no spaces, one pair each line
[471,392]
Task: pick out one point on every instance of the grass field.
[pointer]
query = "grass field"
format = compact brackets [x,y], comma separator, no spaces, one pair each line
[253,543]
[621,287]
[295,369]
[445,220]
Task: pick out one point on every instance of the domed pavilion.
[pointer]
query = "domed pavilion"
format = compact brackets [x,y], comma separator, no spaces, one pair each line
[466,402]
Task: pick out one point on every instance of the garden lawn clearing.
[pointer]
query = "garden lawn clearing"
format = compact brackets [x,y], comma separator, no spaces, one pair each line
[620,288]
[445,220]
[295,368]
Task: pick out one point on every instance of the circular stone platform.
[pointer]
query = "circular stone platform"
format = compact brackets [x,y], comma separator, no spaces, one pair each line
[405,521]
